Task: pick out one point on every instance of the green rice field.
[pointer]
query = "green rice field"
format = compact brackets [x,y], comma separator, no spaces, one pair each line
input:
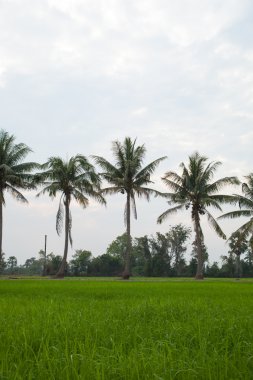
[101,329]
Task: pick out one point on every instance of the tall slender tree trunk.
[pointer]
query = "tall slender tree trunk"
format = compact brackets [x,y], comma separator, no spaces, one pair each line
[177,263]
[126,272]
[200,264]
[1,236]
[61,270]
[238,266]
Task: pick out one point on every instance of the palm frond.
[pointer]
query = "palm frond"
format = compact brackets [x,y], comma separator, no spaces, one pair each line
[215,225]
[247,187]
[169,212]
[224,198]
[118,152]
[209,171]
[112,190]
[59,217]
[174,177]
[16,194]
[209,201]
[149,169]
[243,201]
[219,184]
[51,189]
[80,198]
[106,166]
[236,214]
[146,192]
[18,153]
[246,229]
[174,185]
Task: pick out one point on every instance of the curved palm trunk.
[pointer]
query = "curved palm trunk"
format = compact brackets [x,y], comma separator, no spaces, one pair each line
[61,270]
[126,272]
[238,266]
[1,236]
[196,222]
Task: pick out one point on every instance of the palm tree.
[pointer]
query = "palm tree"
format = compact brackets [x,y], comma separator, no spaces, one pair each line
[245,202]
[15,174]
[73,179]
[238,246]
[128,176]
[194,189]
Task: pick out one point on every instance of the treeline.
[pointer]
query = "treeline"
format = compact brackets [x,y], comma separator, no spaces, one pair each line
[77,179]
[162,255]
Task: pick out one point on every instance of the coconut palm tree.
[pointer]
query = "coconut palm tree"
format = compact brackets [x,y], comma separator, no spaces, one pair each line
[193,189]
[245,202]
[15,174]
[72,179]
[129,177]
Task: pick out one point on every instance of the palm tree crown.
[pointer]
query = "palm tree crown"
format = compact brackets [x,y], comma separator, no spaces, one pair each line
[15,174]
[72,179]
[128,176]
[245,202]
[194,189]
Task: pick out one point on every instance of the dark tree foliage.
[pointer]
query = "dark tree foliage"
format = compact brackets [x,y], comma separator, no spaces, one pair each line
[79,265]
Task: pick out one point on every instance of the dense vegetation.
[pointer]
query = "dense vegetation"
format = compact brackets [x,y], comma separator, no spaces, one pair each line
[162,255]
[78,179]
[118,330]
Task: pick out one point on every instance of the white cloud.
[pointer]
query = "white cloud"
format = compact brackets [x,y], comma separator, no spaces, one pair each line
[176,75]
[139,111]
[247,138]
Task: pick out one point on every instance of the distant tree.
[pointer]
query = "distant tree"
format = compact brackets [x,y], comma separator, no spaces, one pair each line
[80,262]
[192,267]
[194,252]
[43,261]
[117,247]
[161,255]
[177,236]
[141,257]
[53,264]
[193,189]
[15,174]
[248,259]
[142,247]
[128,176]
[105,265]
[2,263]
[32,266]
[238,245]
[213,270]
[228,265]
[72,179]
[12,264]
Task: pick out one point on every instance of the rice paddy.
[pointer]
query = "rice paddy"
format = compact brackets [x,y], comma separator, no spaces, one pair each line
[126,330]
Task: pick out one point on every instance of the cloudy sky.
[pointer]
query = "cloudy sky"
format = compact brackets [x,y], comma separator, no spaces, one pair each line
[77,74]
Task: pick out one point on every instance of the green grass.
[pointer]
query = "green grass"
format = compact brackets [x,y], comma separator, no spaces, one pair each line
[75,329]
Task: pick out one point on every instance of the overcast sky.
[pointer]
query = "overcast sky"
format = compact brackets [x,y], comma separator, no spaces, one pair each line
[77,74]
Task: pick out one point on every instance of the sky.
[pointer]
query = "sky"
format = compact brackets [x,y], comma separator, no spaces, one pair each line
[76,75]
